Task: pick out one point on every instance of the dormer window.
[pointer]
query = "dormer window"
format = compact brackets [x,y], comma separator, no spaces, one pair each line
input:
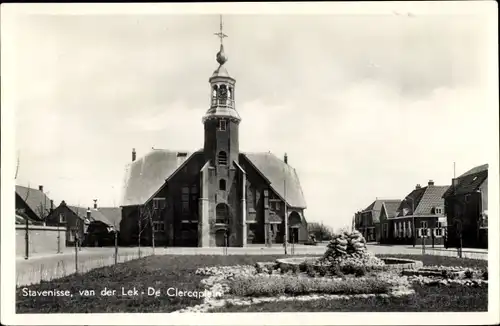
[438,211]
[222,125]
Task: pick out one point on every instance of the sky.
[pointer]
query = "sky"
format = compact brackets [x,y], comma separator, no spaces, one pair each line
[364,105]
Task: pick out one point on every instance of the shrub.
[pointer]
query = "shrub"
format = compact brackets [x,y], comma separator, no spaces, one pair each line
[310,270]
[485,274]
[360,271]
[469,273]
[303,266]
[322,270]
[284,268]
[335,270]
[273,286]
[295,269]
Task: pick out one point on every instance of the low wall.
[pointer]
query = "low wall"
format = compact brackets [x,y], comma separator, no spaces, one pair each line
[41,239]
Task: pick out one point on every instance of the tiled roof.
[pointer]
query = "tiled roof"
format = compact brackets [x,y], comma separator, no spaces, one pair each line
[145,176]
[468,182]
[81,212]
[391,207]
[106,215]
[277,171]
[475,170]
[425,199]
[110,216]
[35,199]
[376,207]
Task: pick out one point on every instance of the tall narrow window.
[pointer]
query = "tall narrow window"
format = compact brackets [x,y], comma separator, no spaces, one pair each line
[222,184]
[221,213]
[222,158]
[222,125]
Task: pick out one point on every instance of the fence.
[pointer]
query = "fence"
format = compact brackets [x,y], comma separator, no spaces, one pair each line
[41,239]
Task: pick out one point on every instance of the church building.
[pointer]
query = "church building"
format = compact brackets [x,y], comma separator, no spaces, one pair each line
[217,195]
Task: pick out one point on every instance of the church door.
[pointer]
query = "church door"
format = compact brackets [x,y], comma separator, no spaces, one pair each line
[220,238]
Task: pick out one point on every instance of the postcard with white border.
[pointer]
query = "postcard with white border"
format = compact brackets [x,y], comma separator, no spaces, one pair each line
[250,163]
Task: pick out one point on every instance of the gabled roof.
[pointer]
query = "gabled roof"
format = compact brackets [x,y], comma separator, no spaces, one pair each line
[468,182]
[376,207]
[145,176]
[35,199]
[391,207]
[79,211]
[477,169]
[425,199]
[110,216]
[280,174]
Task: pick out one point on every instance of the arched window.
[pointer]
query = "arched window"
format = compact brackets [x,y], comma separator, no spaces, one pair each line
[222,158]
[214,92]
[222,184]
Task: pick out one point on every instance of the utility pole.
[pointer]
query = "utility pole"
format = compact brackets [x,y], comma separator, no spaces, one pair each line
[285,241]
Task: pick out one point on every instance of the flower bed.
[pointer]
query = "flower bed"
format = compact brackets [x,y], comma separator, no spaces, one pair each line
[274,285]
[300,262]
[235,284]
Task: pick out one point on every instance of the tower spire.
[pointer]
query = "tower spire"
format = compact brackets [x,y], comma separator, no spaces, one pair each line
[221,56]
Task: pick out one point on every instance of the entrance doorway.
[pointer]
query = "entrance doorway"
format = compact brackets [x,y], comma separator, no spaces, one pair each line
[220,238]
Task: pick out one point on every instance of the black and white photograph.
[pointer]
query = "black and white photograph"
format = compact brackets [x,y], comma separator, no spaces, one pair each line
[202,160]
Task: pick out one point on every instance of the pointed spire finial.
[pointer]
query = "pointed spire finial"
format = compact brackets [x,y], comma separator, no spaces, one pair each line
[221,56]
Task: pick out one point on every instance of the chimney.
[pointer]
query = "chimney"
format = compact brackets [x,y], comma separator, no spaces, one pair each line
[285,159]
[88,213]
[430,183]
[40,187]
[51,205]
[95,203]
[417,186]
[134,154]
[455,182]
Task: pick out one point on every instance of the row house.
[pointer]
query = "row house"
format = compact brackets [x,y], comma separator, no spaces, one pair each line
[466,208]
[420,217]
[368,220]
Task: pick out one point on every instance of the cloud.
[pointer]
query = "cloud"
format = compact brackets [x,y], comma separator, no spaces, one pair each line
[365,106]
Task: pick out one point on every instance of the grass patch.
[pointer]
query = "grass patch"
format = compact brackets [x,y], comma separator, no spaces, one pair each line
[430,260]
[259,286]
[426,299]
[159,272]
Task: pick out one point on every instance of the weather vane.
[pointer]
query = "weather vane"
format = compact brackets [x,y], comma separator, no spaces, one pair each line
[220,34]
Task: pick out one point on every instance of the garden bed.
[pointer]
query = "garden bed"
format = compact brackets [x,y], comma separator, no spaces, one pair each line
[391,263]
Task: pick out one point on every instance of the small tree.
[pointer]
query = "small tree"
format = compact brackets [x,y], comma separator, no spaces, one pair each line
[145,220]
[320,230]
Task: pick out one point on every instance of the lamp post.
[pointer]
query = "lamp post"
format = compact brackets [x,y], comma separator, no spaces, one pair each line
[413,219]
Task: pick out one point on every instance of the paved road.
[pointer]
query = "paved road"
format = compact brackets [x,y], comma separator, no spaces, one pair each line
[50,266]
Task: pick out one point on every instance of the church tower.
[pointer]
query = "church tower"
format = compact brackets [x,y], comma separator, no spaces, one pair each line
[221,207]
[221,120]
